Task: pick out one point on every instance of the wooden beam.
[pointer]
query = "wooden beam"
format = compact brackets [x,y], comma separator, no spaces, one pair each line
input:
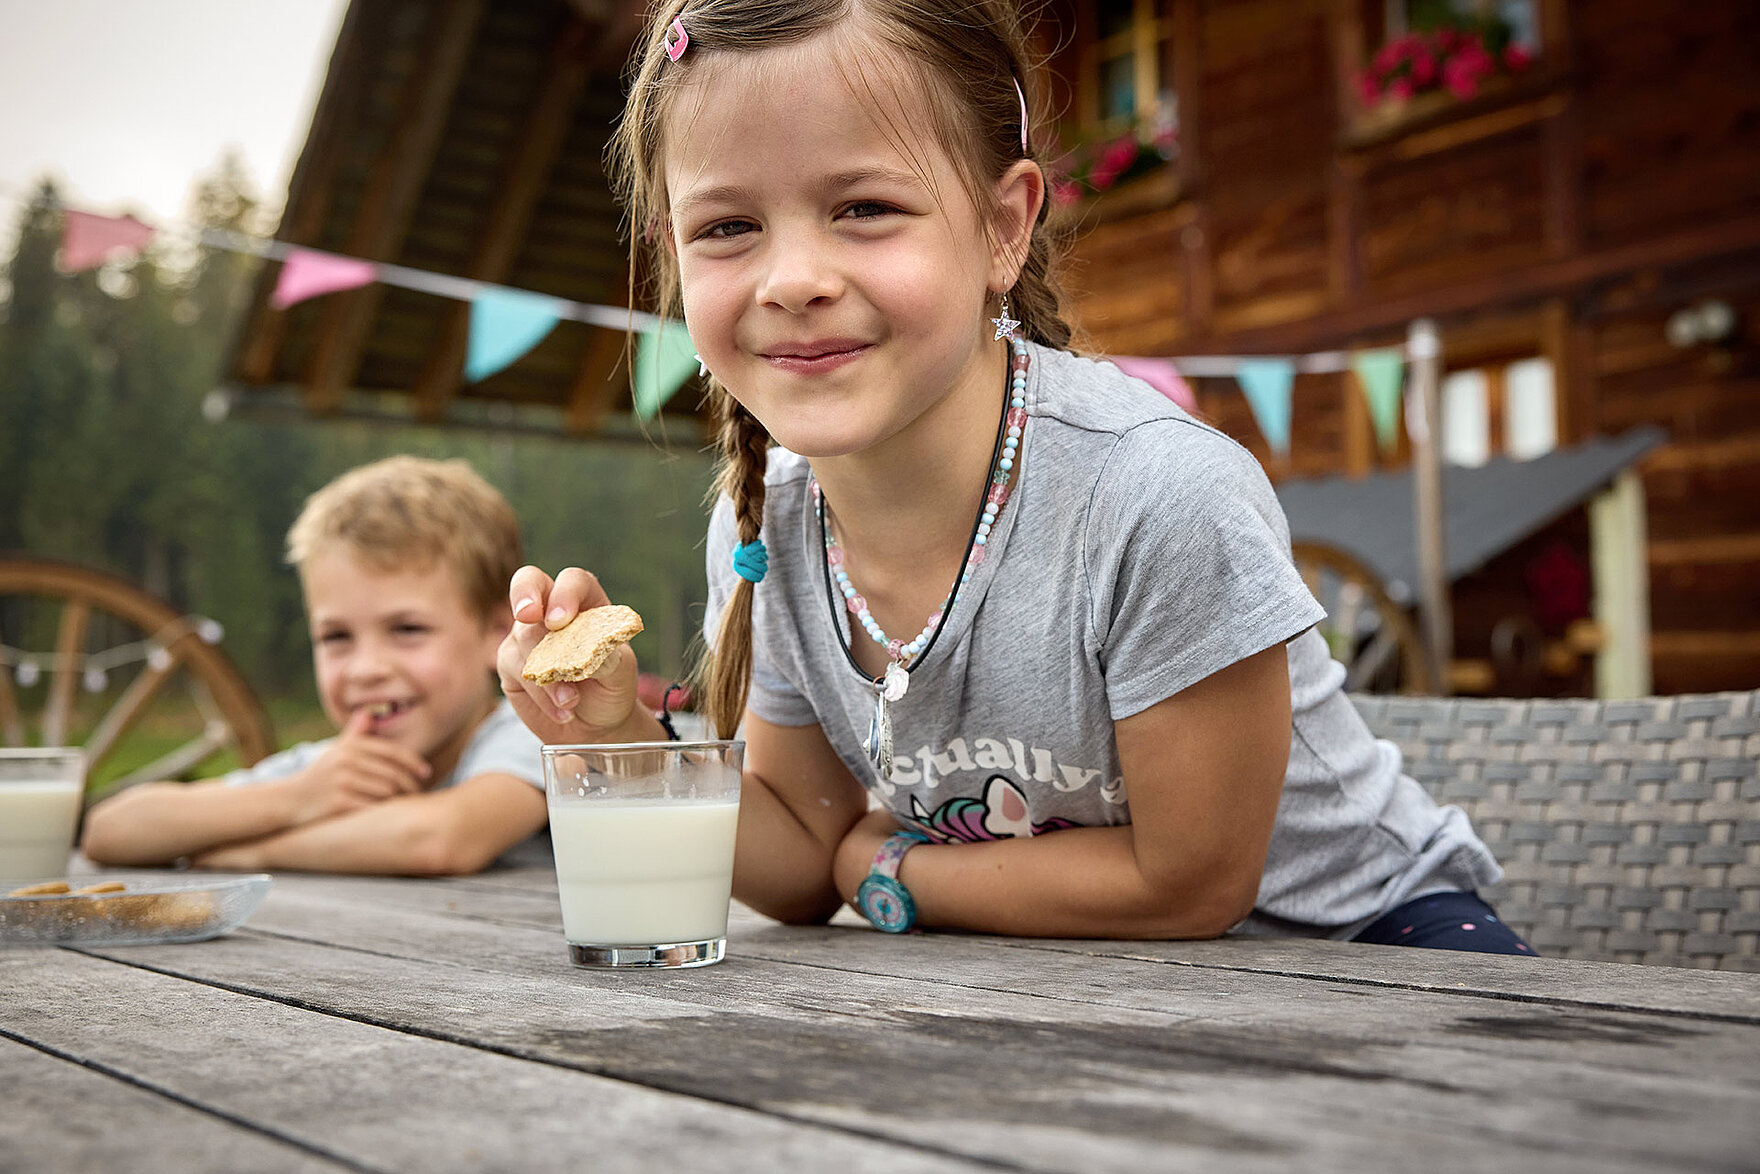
[522,184]
[595,384]
[1435,606]
[1533,283]
[1621,594]
[309,192]
[390,198]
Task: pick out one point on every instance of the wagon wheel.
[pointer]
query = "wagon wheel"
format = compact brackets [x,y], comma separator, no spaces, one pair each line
[142,687]
[1370,634]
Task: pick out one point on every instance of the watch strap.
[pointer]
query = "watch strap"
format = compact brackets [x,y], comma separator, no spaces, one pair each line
[881,898]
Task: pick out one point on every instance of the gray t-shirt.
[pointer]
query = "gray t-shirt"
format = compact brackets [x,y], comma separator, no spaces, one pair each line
[1140,552]
[500,745]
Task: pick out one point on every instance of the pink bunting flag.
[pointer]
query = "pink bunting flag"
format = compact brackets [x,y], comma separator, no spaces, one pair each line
[1162,375]
[306,274]
[88,240]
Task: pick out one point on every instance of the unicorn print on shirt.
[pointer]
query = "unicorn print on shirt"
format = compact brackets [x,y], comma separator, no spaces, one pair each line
[1002,814]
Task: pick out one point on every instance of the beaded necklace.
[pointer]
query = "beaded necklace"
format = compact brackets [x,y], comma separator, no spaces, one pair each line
[905,656]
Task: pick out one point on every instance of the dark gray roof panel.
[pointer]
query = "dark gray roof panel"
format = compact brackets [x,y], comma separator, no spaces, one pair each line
[1486,510]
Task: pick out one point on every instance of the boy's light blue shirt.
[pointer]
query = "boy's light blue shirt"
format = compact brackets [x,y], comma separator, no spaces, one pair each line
[500,745]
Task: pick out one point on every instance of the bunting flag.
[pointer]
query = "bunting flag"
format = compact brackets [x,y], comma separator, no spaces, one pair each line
[1380,374]
[505,324]
[306,274]
[665,358]
[1162,375]
[1266,383]
[87,240]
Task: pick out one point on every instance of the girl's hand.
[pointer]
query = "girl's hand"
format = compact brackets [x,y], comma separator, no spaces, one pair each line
[600,709]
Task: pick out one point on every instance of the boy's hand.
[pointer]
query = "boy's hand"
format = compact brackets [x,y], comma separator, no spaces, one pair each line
[599,709]
[359,769]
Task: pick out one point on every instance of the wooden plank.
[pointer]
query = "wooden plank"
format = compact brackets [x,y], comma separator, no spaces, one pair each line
[523,181]
[357,912]
[62,1116]
[386,206]
[1542,279]
[1188,1068]
[378,1099]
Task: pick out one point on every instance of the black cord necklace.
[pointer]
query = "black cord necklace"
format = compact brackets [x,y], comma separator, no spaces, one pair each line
[891,686]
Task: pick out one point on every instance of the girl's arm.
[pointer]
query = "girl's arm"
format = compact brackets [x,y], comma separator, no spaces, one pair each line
[458,830]
[1203,770]
[797,803]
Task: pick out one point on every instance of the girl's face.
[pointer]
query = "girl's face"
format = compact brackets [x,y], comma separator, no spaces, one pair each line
[833,268]
[405,644]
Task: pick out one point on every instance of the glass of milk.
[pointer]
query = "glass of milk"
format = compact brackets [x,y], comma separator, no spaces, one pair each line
[40,794]
[643,836]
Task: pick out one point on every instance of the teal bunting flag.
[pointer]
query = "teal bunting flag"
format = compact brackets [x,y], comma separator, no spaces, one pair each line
[505,324]
[1381,373]
[1266,383]
[665,358]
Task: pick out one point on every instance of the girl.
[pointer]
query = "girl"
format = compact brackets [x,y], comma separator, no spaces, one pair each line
[1038,619]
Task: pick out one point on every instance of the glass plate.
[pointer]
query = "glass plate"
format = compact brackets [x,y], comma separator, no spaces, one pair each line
[147,911]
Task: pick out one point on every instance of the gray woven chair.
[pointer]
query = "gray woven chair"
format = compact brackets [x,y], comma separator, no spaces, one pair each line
[1628,831]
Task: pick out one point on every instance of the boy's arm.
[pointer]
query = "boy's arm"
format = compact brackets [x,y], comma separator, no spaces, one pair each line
[458,830]
[158,823]
[1204,770]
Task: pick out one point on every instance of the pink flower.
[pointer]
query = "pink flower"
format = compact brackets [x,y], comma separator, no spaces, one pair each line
[1065,192]
[1516,58]
[1460,78]
[1401,89]
[1119,154]
[1423,69]
[1368,89]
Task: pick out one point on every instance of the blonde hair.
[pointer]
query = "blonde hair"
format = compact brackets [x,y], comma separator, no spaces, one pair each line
[408,512]
[967,56]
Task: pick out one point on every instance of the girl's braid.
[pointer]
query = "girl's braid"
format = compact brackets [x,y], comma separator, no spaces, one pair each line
[727,671]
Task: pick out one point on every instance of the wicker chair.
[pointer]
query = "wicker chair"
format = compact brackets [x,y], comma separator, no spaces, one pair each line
[1628,831]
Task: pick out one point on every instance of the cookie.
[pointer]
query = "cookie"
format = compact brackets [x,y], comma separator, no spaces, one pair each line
[581,648]
[47,888]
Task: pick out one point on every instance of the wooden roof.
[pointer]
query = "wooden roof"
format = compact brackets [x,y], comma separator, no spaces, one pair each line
[463,137]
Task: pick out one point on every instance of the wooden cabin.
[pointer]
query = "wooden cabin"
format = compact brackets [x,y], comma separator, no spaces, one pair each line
[1584,230]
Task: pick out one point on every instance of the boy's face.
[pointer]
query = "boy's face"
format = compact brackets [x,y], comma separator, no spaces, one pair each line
[406,643]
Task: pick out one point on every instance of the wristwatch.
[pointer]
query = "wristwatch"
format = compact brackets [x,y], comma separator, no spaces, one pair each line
[881,898]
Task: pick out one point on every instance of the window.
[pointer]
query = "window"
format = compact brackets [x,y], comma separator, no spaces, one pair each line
[1518,17]
[1509,409]
[1127,72]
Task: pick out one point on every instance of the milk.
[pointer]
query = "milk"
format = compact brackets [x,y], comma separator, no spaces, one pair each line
[642,873]
[36,826]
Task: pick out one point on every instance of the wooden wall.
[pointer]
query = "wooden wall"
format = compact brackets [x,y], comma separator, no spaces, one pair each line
[1567,213]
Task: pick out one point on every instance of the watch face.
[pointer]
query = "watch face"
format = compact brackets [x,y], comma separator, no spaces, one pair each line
[886,903]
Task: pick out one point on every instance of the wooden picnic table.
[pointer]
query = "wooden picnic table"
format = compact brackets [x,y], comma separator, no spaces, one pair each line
[435,1025]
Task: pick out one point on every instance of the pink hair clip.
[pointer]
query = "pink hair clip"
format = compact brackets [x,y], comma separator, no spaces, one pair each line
[677,40]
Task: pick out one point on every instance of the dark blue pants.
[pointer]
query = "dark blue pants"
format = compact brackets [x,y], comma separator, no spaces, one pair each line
[1445,921]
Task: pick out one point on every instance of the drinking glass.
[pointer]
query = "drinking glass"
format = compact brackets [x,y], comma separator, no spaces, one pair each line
[643,836]
[40,793]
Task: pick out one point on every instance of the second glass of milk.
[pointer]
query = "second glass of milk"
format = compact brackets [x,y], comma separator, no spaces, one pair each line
[40,794]
[643,835]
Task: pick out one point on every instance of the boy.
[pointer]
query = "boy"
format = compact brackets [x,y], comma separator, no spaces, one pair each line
[404,565]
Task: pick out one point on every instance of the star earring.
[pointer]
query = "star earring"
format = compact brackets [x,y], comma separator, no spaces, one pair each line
[1005,326]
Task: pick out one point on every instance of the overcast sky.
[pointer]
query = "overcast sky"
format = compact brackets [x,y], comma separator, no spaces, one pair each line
[126,102]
